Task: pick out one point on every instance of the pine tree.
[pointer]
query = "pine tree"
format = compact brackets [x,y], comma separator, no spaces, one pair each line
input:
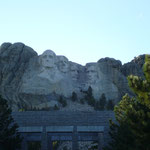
[89,96]
[56,107]
[110,105]
[62,101]
[90,92]
[133,114]
[122,138]
[74,97]
[102,101]
[9,137]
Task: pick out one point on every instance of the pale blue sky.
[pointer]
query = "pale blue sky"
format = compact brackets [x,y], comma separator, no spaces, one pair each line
[82,30]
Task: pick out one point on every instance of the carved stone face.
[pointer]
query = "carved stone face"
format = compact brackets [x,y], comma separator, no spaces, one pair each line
[92,72]
[48,59]
[63,64]
[74,71]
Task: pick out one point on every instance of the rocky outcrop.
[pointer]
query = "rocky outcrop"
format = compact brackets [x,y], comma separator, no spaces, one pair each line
[111,70]
[14,59]
[29,80]
[134,67]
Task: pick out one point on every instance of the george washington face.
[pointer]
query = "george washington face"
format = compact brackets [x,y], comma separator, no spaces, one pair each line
[47,59]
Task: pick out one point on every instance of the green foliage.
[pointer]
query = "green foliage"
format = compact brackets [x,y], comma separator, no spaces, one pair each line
[94,146]
[90,92]
[56,107]
[122,138]
[9,137]
[34,145]
[82,101]
[56,144]
[100,105]
[146,67]
[62,101]
[91,101]
[133,115]
[103,104]
[65,148]
[89,96]
[102,101]
[110,105]
[74,97]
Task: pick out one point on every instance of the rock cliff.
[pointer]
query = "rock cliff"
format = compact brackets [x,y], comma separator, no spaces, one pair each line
[27,79]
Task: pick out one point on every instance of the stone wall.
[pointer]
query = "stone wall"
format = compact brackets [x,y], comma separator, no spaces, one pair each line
[54,118]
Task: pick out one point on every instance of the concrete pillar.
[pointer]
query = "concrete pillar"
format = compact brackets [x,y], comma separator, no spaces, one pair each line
[75,139]
[44,142]
[100,140]
[50,143]
[24,144]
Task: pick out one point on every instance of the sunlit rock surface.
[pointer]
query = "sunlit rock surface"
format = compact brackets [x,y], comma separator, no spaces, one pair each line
[38,81]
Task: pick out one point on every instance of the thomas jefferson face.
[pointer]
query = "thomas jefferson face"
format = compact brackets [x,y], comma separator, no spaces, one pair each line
[48,59]
[62,63]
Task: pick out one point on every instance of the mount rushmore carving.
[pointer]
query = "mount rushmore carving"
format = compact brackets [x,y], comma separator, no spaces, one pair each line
[34,80]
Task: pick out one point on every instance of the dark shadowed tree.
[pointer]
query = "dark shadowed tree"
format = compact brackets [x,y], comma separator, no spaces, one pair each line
[133,115]
[62,101]
[89,96]
[9,137]
[101,103]
[110,104]
[56,107]
[74,96]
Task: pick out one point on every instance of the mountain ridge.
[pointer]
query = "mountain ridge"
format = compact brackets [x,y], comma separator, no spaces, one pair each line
[29,79]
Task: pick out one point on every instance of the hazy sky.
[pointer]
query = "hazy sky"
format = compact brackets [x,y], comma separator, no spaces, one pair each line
[82,30]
